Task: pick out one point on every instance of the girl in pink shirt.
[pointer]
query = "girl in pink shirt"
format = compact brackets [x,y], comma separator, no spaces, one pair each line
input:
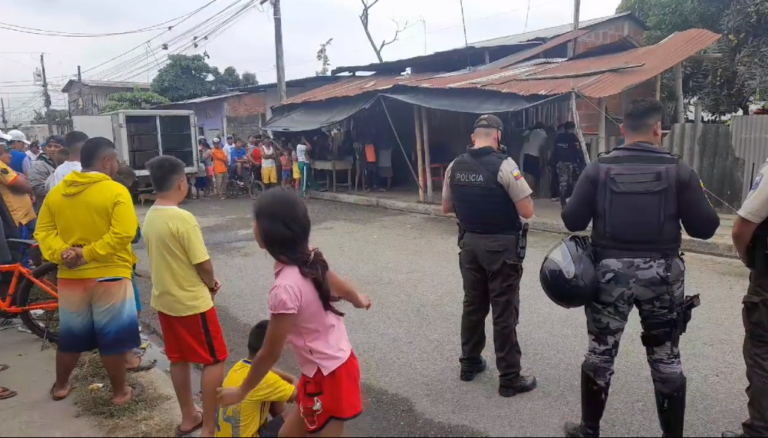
[303,313]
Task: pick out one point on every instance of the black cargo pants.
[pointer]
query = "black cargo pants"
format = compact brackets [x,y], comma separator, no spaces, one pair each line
[756,354]
[491,270]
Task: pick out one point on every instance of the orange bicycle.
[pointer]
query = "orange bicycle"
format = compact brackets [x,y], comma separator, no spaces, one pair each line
[31,294]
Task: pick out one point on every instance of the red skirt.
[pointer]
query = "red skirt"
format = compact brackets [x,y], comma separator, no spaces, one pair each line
[194,339]
[336,396]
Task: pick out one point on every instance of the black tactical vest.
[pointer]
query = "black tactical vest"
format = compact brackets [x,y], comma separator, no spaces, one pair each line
[482,204]
[636,214]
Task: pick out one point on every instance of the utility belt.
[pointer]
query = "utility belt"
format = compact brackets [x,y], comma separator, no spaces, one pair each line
[522,239]
[657,333]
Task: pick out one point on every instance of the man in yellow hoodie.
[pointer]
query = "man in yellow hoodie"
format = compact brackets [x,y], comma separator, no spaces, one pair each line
[86,225]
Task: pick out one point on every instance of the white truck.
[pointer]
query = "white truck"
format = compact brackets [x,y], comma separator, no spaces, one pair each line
[141,135]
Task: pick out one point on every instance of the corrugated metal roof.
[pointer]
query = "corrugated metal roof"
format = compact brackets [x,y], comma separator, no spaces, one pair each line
[542,76]
[106,84]
[585,74]
[355,85]
[206,99]
[549,32]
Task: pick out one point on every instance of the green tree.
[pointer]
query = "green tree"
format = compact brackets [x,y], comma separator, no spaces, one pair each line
[230,78]
[57,117]
[133,100]
[184,77]
[249,79]
[322,56]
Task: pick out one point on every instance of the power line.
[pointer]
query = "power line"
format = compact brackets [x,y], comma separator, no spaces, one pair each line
[54,33]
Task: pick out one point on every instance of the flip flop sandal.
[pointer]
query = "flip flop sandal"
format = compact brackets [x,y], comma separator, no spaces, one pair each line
[6,393]
[181,433]
[3,367]
[137,390]
[143,368]
[56,398]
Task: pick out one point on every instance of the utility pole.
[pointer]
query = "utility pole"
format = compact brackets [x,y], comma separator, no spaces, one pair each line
[5,121]
[79,75]
[280,61]
[576,11]
[46,96]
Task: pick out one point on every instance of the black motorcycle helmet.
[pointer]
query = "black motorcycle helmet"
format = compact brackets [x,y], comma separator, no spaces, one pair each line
[568,274]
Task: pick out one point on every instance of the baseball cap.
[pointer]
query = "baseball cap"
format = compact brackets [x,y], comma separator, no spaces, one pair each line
[17,135]
[229,137]
[489,121]
[4,136]
[216,140]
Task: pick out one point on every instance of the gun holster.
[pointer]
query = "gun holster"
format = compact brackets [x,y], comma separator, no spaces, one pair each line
[656,334]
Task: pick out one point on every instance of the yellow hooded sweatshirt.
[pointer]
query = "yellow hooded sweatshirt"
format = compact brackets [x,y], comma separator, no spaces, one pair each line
[89,210]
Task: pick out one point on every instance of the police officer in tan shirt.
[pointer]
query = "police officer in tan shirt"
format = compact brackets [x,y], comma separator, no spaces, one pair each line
[491,200]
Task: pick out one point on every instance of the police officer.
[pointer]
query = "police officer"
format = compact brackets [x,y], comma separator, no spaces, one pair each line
[750,237]
[567,159]
[489,195]
[636,197]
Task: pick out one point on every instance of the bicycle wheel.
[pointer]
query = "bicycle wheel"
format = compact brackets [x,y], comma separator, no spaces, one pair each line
[37,321]
[232,189]
[256,188]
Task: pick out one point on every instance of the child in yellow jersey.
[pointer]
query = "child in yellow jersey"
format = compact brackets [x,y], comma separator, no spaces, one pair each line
[251,417]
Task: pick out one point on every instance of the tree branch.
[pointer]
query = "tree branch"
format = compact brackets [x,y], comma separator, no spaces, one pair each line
[399,29]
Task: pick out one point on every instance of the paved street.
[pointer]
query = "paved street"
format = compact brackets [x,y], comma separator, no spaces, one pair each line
[408,344]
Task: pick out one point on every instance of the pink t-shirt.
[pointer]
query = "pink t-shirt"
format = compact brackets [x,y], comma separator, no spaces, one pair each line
[319,338]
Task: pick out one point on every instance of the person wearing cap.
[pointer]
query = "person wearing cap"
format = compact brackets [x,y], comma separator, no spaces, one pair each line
[17,195]
[20,162]
[73,141]
[34,150]
[43,167]
[228,147]
[492,200]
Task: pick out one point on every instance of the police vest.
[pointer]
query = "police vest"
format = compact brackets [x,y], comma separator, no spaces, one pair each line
[636,204]
[482,204]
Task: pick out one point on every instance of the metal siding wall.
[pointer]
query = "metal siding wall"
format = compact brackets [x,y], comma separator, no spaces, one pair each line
[750,140]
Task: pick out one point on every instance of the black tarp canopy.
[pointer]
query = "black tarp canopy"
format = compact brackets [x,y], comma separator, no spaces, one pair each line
[313,115]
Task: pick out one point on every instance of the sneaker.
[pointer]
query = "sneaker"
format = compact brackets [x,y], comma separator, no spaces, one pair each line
[573,430]
[468,376]
[521,386]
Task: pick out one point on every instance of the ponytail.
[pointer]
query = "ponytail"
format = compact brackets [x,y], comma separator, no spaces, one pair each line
[316,269]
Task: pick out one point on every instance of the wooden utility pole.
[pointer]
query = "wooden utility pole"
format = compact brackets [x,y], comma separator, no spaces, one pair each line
[5,121]
[680,98]
[419,150]
[46,96]
[572,44]
[279,54]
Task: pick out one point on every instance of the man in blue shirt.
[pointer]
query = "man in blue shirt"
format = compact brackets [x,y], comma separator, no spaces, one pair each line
[239,156]
[19,159]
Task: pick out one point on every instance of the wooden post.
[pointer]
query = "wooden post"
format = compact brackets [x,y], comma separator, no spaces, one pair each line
[680,105]
[419,151]
[657,87]
[427,158]
[601,144]
[695,160]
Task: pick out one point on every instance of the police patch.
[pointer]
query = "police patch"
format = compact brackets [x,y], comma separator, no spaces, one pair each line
[516,174]
[466,178]
[4,171]
[757,182]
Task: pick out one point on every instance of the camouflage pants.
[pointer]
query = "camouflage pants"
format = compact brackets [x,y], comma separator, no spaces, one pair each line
[565,179]
[625,283]
[756,354]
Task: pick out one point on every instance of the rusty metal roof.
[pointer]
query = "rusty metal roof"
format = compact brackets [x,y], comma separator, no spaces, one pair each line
[599,76]
[591,77]
[354,86]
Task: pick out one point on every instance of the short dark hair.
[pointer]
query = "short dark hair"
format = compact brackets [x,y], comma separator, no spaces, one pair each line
[569,125]
[256,338]
[75,138]
[642,114]
[93,149]
[164,171]
[63,153]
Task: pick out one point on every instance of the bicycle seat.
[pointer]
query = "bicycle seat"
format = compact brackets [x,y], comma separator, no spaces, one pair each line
[28,243]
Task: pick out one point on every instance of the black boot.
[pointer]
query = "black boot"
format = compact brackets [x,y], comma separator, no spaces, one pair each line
[469,374]
[522,385]
[594,398]
[671,408]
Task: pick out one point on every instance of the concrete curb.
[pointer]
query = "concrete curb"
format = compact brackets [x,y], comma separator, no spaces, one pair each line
[690,244]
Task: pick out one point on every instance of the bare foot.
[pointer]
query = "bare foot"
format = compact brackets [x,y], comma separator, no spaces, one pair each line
[128,394]
[58,394]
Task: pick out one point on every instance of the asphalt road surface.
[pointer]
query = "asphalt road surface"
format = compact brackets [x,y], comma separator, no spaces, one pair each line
[408,344]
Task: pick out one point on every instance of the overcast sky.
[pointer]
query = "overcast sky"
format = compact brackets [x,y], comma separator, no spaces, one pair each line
[249,43]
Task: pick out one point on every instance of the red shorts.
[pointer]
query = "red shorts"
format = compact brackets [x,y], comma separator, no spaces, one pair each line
[194,339]
[336,396]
